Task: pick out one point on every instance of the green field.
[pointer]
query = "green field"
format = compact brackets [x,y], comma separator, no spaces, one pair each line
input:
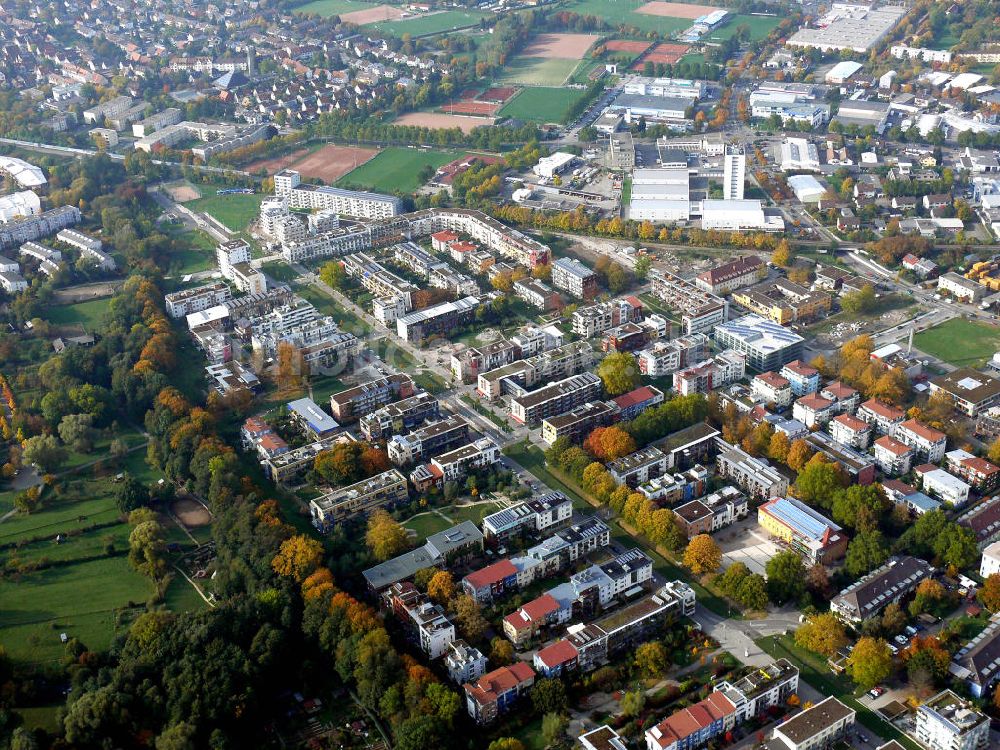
[197,252]
[542,104]
[431,522]
[960,342]
[434,23]
[537,71]
[618,13]
[395,169]
[234,211]
[327,8]
[760,27]
[87,314]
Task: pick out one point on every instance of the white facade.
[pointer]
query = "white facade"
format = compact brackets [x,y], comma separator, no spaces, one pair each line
[734,173]
[945,487]
[798,153]
[990,564]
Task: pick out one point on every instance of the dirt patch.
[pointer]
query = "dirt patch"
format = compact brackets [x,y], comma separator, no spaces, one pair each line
[677,10]
[83,292]
[191,513]
[481,109]
[333,162]
[665,53]
[277,163]
[371,15]
[497,94]
[626,45]
[182,192]
[560,46]
[441,120]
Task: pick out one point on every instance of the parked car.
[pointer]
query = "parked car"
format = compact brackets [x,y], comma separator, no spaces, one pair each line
[900,639]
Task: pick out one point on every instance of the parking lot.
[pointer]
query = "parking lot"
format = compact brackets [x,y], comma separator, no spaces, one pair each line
[744,542]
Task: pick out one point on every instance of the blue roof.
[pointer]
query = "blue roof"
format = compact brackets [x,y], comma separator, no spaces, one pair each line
[801,518]
[317,419]
[922,501]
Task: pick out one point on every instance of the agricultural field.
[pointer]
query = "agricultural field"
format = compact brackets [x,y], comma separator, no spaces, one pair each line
[543,104]
[395,169]
[432,23]
[327,163]
[560,46]
[538,71]
[87,314]
[963,343]
[234,211]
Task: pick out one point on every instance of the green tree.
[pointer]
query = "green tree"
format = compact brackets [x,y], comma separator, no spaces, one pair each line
[44,452]
[130,494]
[333,274]
[870,662]
[554,727]
[619,372]
[147,549]
[549,696]
[786,577]
[632,703]
[866,552]
[860,302]
[752,592]
[651,659]
[76,431]
[818,483]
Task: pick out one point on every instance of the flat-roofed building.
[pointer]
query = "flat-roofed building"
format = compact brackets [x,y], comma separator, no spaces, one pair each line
[767,345]
[383,490]
[401,416]
[857,465]
[469,363]
[816,538]
[970,391]
[315,422]
[288,184]
[574,277]
[783,301]
[354,403]
[947,722]
[455,464]
[288,467]
[558,398]
[753,475]
[666,357]
[577,423]
[866,598]
[453,544]
[938,483]
[639,467]
[700,311]
[761,689]
[421,324]
[819,726]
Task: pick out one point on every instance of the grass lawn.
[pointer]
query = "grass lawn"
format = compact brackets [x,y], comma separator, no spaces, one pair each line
[197,253]
[88,314]
[626,191]
[181,596]
[328,306]
[234,211]
[623,13]
[395,169]
[79,600]
[963,343]
[537,71]
[815,671]
[327,8]
[433,23]
[542,104]
[431,522]
[280,271]
[760,27]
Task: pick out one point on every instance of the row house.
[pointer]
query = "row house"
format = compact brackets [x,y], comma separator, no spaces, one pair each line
[535,515]
[928,444]
[892,457]
[851,431]
[678,487]
[978,472]
[497,692]
[983,520]
[772,388]
[883,417]
[866,598]
[693,726]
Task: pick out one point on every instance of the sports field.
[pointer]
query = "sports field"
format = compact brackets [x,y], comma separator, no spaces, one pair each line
[235,211]
[542,104]
[620,12]
[760,27]
[432,23]
[88,314]
[395,169]
[327,163]
[963,343]
[328,8]
[537,71]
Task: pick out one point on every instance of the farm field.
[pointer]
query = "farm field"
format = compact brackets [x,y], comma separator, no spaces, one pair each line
[542,104]
[432,23]
[395,169]
[560,46]
[87,314]
[626,13]
[371,14]
[538,71]
[234,211]
[963,343]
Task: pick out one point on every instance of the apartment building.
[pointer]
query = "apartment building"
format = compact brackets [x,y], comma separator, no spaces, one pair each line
[421,324]
[455,464]
[288,184]
[766,344]
[982,475]
[892,457]
[813,410]
[731,275]
[89,247]
[883,417]
[463,662]
[928,444]
[694,726]
[818,727]
[577,423]
[630,405]
[857,465]
[425,621]
[784,302]
[772,388]
[354,403]
[604,737]
[942,485]
[187,301]
[639,467]
[816,538]
[803,378]
[380,281]
[947,722]
[970,391]
[288,467]
[754,476]
[700,311]
[961,288]
[497,692]
[594,320]
[535,515]
[761,688]
[454,545]
[712,512]
[31,228]
[469,363]
[559,397]
[726,367]
[428,440]
[310,419]
[538,294]
[662,358]
[866,598]
[403,415]
[574,277]
[977,664]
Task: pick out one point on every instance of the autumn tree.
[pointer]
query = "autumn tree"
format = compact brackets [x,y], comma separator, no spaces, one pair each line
[799,454]
[333,274]
[989,594]
[619,372]
[297,557]
[870,662]
[779,447]
[609,443]
[822,634]
[441,588]
[469,616]
[782,255]
[501,652]
[926,656]
[651,659]
[291,367]
[702,555]
[385,536]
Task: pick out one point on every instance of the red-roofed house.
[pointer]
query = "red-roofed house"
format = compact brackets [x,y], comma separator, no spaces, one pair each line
[851,431]
[694,726]
[523,625]
[271,445]
[928,443]
[633,403]
[494,693]
[813,410]
[458,250]
[441,240]
[772,388]
[884,417]
[893,457]
[978,472]
[492,581]
[803,378]
[556,658]
[253,430]
[845,397]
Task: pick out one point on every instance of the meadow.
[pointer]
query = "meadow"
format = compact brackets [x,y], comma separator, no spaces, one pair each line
[395,169]
[963,343]
[433,23]
[234,211]
[537,71]
[87,314]
[327,8]
[542,104]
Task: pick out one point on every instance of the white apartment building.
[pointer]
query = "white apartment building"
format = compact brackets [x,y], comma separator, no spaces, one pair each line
[187,301]
[455,464]
[947,722]
[288,183]
[665,357]
[928,444]
[892,457]
[734,169]
[755,477]
[851,431]
[772,388]
[820,726]
[12,282]
[990,564]
[464,663]
[942,485]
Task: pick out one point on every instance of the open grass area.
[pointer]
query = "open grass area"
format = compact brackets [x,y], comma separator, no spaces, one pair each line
[537,71]
[234,211]
[760,27]
[542,104]
[197,252]
[80,600]
[87,314]
[395,169]
[963,343]
[623,12]
[815,671]
[433,23]
[280,271]
[439,519]
[327,8]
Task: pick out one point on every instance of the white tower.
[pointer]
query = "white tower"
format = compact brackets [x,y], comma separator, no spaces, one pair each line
[734,173]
